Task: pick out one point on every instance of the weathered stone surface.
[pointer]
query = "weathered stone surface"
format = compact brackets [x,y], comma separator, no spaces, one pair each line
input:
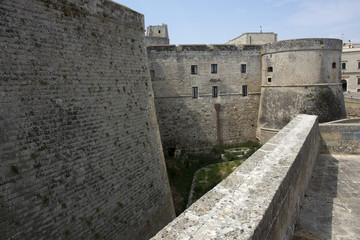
[191,122]
[80,150]
[260,199]
[352,105]
[294,72]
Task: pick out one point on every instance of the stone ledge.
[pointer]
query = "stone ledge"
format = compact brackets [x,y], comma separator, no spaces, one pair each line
[260,199]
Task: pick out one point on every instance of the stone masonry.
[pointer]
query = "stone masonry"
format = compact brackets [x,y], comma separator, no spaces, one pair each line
[190,121]
[80,149]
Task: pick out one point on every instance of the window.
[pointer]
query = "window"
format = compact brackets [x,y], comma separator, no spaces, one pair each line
[343,65]
[270,69]
[358,90]
[243,68]
[195,93]
[358,80]
[214,91]
[193,69]
[334,65]
[152,74]
[213,68]
[358,64]
[269,79]
[244,90]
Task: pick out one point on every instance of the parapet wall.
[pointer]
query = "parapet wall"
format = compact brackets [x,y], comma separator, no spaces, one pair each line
[260,199]
[352,105]
[80,151]
[341,136]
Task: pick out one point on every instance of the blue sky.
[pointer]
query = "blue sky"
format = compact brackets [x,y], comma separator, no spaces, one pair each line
[216,22]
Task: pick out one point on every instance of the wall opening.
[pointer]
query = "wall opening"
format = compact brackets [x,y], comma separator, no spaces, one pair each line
[344,85]
[152,75]
[243,68]
[270,69]
[269,80]
[334,65]
[343,66]
[195,93]
[244,90]
[213,68]
[215,91]
[194,69]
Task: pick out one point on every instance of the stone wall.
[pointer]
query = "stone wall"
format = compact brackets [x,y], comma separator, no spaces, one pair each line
[341,136]
[260,199]
[300,76]
[191,122]
[254,38]
[80,150]
[352,105]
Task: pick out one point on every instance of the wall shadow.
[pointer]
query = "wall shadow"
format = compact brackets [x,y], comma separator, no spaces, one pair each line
[316,214]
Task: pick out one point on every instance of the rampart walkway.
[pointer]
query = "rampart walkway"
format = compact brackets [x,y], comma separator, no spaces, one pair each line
[331,207]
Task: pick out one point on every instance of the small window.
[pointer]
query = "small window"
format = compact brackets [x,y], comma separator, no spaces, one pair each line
[343,65]
[215,91]
[270,69]
[244,90]
[269,79]
[152,74]
[159,31]
[243,68]
[358,64]
[358,90]
[213,68]
[358,80]
[334,65]
[195,93]
[193,69]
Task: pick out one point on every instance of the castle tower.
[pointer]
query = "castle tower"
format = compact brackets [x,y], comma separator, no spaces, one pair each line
[157,35]
[299,76]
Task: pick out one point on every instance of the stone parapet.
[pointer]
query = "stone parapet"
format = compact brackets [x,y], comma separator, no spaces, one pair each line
[303,44]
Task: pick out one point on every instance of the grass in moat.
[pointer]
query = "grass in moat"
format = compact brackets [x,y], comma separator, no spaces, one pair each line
[181,171]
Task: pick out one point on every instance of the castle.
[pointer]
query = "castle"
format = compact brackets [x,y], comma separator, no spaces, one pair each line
[248,88]
[81,155]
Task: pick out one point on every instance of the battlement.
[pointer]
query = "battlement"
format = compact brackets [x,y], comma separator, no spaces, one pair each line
[303,44]
[204,47]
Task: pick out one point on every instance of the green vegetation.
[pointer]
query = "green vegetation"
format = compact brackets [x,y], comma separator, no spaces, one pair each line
[212,175]
[181,170]
[15,169]
[323,103]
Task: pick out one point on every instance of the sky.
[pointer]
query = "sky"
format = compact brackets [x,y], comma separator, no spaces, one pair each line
[216,22]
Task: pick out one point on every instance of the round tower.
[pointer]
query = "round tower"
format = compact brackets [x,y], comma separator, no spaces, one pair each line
[299,76]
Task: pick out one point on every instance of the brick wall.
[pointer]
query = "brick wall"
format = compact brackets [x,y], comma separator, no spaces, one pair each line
[79,144]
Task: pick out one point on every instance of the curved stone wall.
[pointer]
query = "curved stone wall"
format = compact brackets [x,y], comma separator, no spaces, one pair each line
[295,76]
[80,151]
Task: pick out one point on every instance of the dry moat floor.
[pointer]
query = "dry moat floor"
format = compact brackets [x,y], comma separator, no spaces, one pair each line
[331,209]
